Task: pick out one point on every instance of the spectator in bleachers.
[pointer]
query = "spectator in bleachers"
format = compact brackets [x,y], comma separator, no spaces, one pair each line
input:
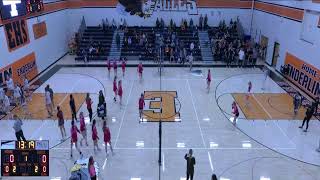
[129,41]
[191,24]
[191,47]
[114,25]
[241,57]
[200,22]
[182,26]
[107,24]
[205,22]
[162,23]
[158,23]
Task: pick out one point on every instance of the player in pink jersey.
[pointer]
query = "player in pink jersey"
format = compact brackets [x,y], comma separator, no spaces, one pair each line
[235,112]
[115,67]
[95,136]
[141,105]
[108,66]
[115,89]
[74,137]
[123,66]
[107,137]
[140,70]
[208,80]
[83,129]
[120,92]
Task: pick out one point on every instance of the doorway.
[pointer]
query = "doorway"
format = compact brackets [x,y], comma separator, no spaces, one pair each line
[264,46]
[275,56]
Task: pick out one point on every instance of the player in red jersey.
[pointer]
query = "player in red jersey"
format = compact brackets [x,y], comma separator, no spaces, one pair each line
[123,66]
[95,136]
[140,70]
[141,105]
[115,66]
[120,92]
[74,137]
[235,112]
[107,137]
[115,89]
[208,80]
[83,129]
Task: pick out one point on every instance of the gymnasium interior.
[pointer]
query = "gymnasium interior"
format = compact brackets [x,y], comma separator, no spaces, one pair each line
[235,81]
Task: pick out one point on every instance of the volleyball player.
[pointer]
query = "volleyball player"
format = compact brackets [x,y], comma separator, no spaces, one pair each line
[83,129]
[61,123]
[17,95]
[120,92]
[74,137]
[49,105]
[235,112]
[115,88]
[107,137]
[89,106]
[73,108]
[208,80]
[26,88]
[140,70]
[6,103]
[123,66]
[95,137]
[141,105]
[248,92]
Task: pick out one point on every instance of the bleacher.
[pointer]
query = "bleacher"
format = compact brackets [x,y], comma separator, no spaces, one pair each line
[95,34]
[134,51]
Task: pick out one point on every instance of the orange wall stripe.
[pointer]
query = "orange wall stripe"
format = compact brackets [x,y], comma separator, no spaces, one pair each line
[292,13]
[223,3]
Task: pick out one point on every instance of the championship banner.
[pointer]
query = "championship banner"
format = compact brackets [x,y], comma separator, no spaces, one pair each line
[17,34]
[24,66]
[39,30]
[303,75]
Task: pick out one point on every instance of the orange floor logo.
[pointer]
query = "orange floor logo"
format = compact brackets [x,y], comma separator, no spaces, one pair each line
[161,105]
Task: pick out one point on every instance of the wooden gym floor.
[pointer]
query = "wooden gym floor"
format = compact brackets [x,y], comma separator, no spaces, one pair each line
[39,112]
[268,106]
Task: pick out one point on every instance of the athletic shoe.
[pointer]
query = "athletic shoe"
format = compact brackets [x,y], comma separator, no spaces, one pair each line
[300,127]
[305,131]
[318,149]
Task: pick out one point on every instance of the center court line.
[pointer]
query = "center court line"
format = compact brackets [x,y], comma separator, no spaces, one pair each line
[194,108]
[45,122]
[209,156]
[163,165]
[124,112]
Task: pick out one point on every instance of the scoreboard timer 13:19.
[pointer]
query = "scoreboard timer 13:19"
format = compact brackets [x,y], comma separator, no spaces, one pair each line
[25,158]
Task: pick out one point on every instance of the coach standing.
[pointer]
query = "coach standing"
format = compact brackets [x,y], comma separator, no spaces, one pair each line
[191,161]
[17,128]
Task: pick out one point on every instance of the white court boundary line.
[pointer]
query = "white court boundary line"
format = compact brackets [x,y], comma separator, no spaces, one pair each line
[122,119]
[196,113]
[209,156]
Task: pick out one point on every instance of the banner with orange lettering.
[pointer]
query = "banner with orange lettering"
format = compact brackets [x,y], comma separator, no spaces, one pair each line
[303,75]
[24,66]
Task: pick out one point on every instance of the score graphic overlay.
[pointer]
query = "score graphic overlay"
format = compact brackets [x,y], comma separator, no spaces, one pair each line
[25,158]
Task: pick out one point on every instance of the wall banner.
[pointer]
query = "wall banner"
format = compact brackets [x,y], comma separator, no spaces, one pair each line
[39,30]
[303,75]
[24,66]
[17,34]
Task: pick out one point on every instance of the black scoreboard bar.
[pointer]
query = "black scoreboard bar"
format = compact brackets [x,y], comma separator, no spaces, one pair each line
[25,158]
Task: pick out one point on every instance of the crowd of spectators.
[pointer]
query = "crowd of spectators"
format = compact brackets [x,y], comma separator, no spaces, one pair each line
[229,47]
